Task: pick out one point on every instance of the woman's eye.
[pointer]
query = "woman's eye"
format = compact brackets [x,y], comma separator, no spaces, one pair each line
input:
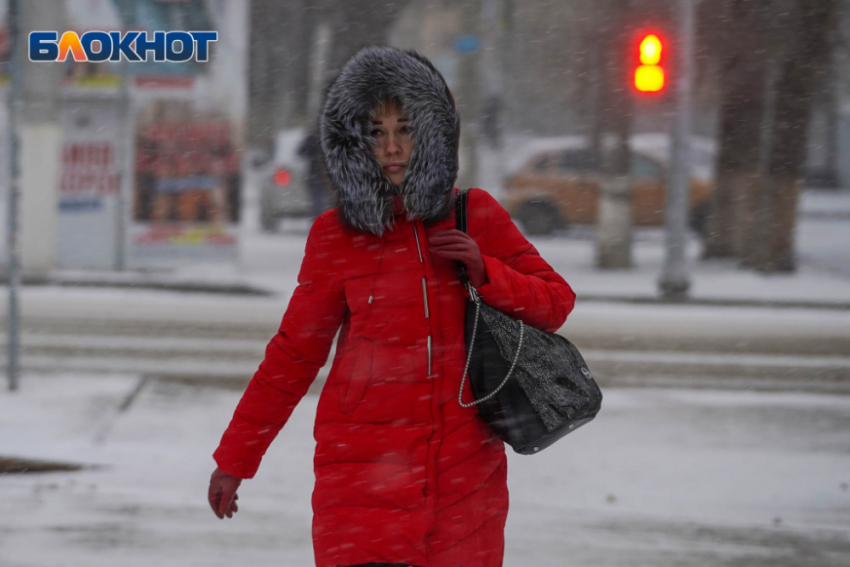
[405,129]
[374,133]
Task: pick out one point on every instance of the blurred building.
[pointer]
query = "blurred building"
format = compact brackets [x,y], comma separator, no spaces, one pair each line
[150,161]
[152,153]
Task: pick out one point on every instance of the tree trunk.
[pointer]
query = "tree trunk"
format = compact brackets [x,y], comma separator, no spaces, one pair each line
[805,64]
[265,83]
[743,76]
[303,18]
[358,24]
[589,68]
[614,225]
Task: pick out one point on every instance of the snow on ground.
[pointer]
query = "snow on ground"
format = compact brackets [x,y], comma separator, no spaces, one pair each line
[824,202]
[662,477]
[272,261]
[818,279]
[588,320]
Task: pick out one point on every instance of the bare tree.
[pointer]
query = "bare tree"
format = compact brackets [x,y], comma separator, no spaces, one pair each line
[773,56]
[281,43]
[277,77]
[739,28]
[806,30]
[357,24]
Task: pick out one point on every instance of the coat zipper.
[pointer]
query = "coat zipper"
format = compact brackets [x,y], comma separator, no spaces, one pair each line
[424,294]
[418,248]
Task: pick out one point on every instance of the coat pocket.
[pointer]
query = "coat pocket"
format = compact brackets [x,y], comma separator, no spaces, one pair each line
[358,381]
[360,299]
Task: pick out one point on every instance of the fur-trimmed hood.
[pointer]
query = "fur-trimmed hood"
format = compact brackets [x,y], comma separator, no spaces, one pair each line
[364,193]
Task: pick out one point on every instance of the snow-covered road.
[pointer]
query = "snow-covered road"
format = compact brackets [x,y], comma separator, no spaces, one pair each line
[202,337]
[661,478]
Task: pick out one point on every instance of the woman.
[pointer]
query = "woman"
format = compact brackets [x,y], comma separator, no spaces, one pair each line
[404,474]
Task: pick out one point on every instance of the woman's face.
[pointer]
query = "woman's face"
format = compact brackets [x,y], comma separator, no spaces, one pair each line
[393,143]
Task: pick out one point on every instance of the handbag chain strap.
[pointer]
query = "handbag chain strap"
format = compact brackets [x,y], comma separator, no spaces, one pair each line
[469,356]
[460,223]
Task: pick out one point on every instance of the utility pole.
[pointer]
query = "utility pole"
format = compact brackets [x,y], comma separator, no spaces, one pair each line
[831,100]
[12,205]
[124,147]
[492,42]
[35,141]
[674,281]
[39,132]
[468,47]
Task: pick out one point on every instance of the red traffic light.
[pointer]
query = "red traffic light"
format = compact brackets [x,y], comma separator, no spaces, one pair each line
[649,75]
[281,178]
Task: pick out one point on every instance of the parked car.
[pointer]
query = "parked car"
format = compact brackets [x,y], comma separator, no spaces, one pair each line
[556,188]
[284,189]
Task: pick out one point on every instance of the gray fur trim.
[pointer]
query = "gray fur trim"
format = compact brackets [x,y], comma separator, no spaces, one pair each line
[364,193]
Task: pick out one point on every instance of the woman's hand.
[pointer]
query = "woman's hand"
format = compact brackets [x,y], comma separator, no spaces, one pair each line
[222,494]
[455,244]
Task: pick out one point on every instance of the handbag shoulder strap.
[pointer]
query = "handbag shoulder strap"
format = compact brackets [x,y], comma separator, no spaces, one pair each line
[461,217]
[461,206]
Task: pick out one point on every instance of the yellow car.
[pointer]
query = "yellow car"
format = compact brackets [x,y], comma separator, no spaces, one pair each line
[556,188]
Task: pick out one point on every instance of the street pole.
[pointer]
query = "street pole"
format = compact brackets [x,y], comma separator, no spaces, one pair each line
[124,153]
[124,165]
[14,104]
[492,171]
[469,56]
[674,281]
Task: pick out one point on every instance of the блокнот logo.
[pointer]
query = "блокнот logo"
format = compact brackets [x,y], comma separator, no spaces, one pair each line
[97,46]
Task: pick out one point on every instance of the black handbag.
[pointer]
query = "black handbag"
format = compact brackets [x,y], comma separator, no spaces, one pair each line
[531,387]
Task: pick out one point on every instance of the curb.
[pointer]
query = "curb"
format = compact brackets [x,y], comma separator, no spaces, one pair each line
[766,304]
[244,289]
[177,286]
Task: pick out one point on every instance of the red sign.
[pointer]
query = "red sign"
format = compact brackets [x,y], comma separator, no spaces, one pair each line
[88,168]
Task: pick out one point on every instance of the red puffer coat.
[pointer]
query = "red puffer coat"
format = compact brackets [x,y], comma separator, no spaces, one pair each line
[403,472]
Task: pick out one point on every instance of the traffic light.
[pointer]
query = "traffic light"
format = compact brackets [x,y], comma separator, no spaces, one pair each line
[649,75]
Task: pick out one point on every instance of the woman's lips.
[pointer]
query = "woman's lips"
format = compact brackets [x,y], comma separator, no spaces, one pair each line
[394,167]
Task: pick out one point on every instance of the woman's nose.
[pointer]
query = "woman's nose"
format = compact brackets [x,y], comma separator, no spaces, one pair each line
[392,146]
